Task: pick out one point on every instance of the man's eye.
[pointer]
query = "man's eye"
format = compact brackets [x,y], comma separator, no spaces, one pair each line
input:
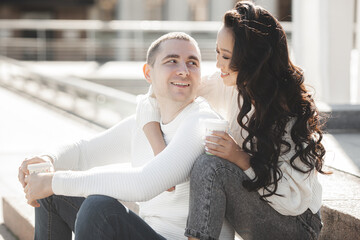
[193,63]
[172,61]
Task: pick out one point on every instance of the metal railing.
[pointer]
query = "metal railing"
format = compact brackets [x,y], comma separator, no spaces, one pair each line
[96,103]
[93,40]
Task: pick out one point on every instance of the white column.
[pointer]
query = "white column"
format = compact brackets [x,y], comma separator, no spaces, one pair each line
[127,10]
[178,10]
[357,82]
[322,42]
[306,43]
[218,8]
[338,30]
[270,5]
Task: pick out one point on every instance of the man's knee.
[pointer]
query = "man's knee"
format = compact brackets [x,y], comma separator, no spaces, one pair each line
[96,207]
[96,216]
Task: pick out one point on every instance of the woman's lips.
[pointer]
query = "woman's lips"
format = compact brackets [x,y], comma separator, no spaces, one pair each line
[224,74]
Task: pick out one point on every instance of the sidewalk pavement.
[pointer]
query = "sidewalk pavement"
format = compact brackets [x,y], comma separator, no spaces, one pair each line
[28,128]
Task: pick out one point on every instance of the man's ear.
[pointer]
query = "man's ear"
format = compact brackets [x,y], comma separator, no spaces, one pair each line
[146,71]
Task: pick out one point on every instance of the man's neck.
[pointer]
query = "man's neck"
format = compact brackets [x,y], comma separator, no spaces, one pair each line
[169,110]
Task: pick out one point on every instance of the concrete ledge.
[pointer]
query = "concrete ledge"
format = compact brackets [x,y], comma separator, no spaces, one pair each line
[19,217]
[340,212]
[341,205]
[341,116]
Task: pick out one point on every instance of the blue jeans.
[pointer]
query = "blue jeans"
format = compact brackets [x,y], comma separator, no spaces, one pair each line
[216,192]
[96,217]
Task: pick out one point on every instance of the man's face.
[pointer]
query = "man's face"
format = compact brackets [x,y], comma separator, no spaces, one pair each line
[175,75]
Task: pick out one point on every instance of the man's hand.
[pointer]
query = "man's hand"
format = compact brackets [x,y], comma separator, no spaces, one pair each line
[223,145]
[38,186]
[23,170]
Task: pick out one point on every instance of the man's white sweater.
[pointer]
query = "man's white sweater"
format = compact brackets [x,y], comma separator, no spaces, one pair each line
[135,174]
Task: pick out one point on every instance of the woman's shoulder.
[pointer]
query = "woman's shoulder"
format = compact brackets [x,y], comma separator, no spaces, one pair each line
[211,79]
[202,109]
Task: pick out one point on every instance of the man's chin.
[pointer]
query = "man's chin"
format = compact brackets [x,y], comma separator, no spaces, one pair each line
[184,100]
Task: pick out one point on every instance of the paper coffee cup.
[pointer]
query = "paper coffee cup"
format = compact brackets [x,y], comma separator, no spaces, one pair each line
[39,167]
[211,125]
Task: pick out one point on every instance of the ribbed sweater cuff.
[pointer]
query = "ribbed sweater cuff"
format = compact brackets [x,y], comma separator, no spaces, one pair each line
[250,173]
[62,183]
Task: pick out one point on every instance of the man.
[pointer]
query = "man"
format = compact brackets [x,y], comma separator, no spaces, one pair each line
[173,69]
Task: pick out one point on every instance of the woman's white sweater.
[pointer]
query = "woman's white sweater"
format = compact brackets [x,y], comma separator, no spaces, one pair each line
[134,174]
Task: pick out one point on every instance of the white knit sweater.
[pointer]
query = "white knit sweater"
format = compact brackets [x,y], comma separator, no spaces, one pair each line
[135,174]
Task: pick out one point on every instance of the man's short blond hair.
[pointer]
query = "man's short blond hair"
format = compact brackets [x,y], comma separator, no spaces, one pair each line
[155,46]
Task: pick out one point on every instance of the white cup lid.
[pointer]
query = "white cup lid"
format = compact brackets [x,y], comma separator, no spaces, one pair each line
[35,166]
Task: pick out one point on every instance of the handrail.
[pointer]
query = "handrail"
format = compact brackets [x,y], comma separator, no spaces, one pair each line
[119,102]
[95,40]
[165,26]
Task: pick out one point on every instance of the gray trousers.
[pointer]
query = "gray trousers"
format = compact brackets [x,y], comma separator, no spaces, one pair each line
[216,192]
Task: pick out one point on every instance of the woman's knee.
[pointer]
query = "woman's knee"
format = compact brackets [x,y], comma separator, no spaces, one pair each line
[206,164]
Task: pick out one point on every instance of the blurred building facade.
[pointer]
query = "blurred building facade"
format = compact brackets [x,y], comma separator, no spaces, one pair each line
[323,34]
[59,41]
[172,10]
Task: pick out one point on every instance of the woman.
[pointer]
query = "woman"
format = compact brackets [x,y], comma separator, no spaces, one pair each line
[263,175]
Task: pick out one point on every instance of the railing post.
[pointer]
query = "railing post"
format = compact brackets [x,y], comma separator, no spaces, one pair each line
[41,44]
[90,45]
[3,47]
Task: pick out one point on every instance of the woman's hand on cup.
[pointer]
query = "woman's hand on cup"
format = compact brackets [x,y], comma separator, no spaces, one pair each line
[223,145]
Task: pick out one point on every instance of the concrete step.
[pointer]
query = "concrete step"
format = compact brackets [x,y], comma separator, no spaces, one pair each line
[340,212]
[341,206]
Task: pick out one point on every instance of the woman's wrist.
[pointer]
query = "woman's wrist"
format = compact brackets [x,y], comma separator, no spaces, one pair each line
[242,160]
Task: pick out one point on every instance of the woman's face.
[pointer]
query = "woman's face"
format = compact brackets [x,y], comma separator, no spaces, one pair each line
[224,48]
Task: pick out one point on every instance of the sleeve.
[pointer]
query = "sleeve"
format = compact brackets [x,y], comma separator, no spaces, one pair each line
[295,189]
[169,168]
[147,109]
[109,147]
[209,88]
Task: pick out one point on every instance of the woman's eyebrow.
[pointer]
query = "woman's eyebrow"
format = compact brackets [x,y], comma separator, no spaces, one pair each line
[225,50]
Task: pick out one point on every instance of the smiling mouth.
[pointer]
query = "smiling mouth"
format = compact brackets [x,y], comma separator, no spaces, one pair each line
[224,74]
[181,84]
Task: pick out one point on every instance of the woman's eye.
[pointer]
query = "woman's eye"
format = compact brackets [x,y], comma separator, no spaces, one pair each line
[226,58]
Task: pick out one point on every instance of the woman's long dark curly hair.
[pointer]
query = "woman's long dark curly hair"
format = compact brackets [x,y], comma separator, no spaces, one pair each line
[271,84]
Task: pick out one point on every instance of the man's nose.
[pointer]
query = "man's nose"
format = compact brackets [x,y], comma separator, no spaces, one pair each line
[183,70]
